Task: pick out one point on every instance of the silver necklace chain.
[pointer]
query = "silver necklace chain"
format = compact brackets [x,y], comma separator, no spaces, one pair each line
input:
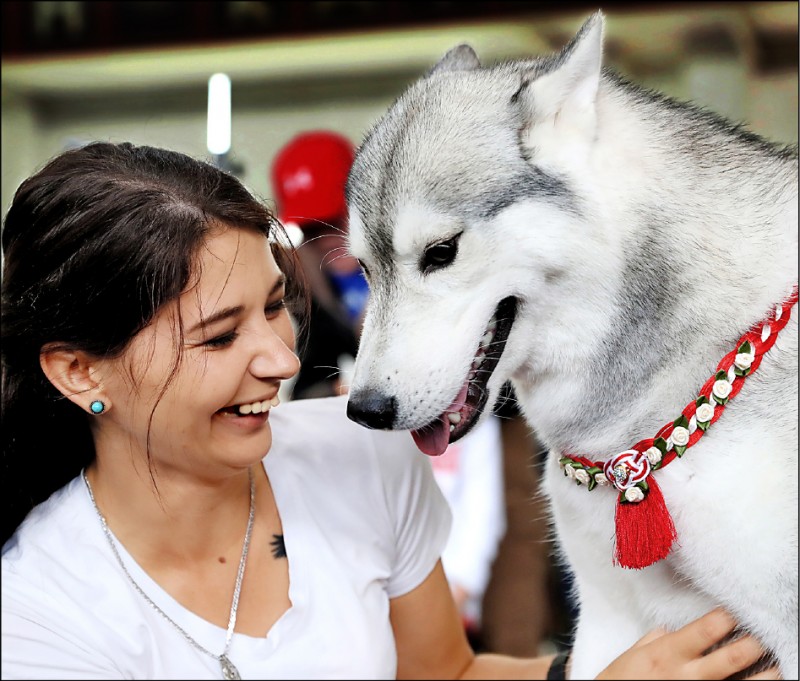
[229,670]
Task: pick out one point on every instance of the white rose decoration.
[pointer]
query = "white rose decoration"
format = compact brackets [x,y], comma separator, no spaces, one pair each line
[743,360]
[722,389]
[680,436]
[582,476]
[570,471]
[704,413]
[601,479]
[634,494]
[653,455]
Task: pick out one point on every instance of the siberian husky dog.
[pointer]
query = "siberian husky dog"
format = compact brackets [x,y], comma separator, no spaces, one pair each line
[604,248]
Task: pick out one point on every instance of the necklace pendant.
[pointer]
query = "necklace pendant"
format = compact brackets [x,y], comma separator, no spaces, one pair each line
[229,670]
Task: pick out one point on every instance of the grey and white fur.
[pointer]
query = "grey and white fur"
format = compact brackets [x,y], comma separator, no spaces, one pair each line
[638,238]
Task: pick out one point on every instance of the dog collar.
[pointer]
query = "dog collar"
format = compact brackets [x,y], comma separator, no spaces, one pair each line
[645,531]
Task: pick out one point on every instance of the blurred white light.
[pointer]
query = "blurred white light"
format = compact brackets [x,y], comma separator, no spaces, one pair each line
[218,137]
[295,233]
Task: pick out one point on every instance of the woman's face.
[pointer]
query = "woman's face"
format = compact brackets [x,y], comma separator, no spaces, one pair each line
[237,347]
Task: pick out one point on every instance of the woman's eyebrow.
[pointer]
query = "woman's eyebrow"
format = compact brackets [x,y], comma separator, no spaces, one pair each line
[235,310]
[217,316]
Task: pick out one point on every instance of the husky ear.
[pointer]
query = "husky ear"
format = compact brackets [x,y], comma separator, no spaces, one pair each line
[460,58]
[571,85]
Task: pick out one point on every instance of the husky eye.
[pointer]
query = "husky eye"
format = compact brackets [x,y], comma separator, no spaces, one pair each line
[440,255]
[365,268]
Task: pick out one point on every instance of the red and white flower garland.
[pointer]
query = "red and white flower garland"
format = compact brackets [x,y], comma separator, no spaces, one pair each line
[644,529]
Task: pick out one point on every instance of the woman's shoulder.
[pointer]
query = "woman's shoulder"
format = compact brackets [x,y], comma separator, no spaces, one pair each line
[58,610]
[55,547]
[51,526]
[319,428]
[46,560]
[313,440]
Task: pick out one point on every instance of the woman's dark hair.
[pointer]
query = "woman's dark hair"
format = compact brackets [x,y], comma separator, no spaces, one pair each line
[94,245]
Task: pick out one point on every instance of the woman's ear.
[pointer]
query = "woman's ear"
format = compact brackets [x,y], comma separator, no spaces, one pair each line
[74,375]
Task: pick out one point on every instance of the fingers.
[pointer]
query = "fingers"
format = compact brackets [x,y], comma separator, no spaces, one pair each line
[698,636]
[731,658]
[649,637]
[682,654]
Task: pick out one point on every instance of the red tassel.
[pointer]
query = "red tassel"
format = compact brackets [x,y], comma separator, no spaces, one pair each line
[645,531]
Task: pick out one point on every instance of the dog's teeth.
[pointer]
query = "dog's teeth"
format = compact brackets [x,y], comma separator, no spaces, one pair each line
[487,338]
[452,427]
[472,374]
[454,417]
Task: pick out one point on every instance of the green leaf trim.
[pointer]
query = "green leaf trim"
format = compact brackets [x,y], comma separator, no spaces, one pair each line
[741,372]
[679,449]
[721,375]
[701,400]
[661,443]
[745,348]
[594,470]
[681,422]
[703,425]
[721,400]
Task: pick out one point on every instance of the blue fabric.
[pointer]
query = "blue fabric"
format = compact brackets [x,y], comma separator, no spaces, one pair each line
[353,290]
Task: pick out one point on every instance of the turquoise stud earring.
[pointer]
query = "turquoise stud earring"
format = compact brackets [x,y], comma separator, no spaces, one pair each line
[97,407]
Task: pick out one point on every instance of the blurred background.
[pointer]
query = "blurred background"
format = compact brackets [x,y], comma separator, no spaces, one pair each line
[73,72]
[138,71]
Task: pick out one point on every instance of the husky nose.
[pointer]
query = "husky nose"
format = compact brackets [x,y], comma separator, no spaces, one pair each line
[371,409]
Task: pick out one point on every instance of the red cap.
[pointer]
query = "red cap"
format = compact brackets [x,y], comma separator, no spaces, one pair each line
[308,178]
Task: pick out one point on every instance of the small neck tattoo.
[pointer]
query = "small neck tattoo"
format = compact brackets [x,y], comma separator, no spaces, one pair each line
[278,546]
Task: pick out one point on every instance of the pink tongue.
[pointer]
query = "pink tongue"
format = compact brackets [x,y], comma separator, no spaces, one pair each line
[433,440]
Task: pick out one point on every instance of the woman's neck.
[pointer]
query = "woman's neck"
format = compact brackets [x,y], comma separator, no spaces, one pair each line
[175,516]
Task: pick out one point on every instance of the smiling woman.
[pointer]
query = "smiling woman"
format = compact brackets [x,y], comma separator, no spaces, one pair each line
[97,245]
[161,521]
[235,352]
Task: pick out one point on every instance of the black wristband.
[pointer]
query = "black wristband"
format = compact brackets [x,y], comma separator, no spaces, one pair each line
[558,667]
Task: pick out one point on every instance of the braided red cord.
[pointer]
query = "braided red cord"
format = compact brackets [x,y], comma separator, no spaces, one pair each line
[760,348]
[644,530]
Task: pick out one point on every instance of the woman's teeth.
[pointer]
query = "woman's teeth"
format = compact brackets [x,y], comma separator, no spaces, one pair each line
[258,407]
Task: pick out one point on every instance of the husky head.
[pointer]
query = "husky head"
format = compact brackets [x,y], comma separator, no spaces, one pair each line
[464,223]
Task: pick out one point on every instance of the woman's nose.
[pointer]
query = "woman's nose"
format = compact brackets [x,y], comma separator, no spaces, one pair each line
[273,358]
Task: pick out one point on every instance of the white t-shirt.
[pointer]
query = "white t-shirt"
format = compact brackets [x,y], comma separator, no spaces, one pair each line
[470,475]
[363,522]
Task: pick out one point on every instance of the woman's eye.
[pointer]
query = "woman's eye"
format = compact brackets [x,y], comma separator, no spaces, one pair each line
[275,308]
[440,255]
[222,341]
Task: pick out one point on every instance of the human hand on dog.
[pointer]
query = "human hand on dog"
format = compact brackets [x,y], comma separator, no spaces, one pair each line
[682,653]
